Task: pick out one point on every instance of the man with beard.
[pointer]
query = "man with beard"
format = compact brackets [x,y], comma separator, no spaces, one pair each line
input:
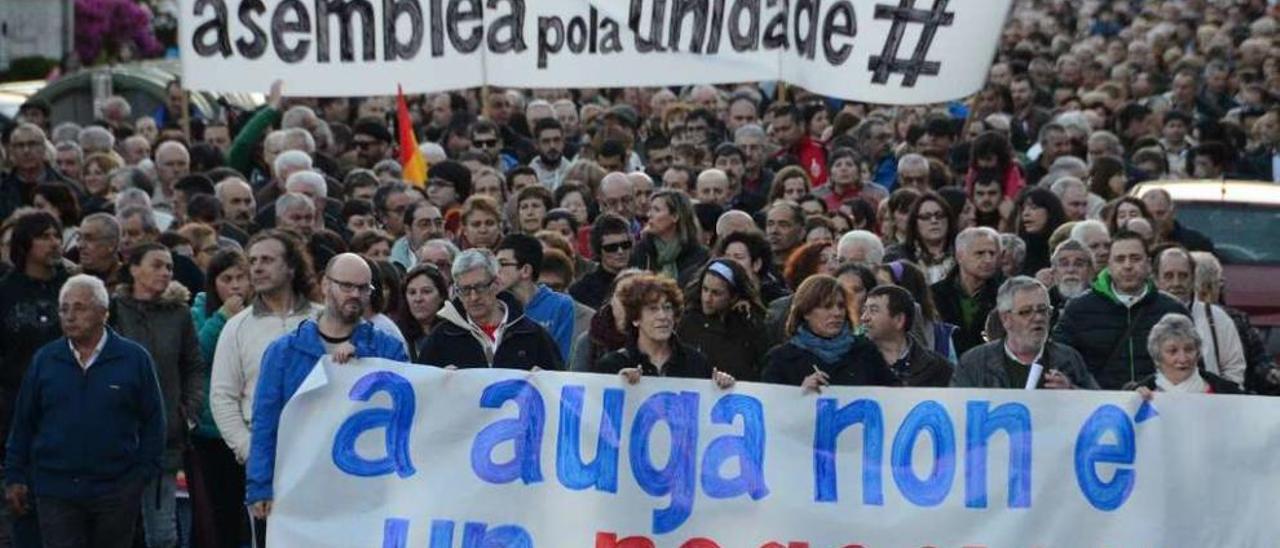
[423,221]
[1221,350]
[550,165]
[28,319]
[488,140]
[1072,271]
[287,362]
[658,156]
[372,141]
[1023,305]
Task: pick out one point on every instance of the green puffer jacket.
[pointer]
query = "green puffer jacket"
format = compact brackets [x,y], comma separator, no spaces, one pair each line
[164,328]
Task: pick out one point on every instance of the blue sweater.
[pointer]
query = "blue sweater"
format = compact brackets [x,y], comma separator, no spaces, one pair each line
[285,364]
[554,312]
[81,434]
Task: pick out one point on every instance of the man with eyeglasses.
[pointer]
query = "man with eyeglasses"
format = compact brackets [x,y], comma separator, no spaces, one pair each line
[618,196]
[88,429]
[519,268]
[485,327]
[372,141]
[611,243]
[487,140]
[347,286]
[1025,357]
[26,148]
[425,222]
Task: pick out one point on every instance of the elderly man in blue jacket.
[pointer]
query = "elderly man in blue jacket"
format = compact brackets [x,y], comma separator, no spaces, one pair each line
[339,332]
[88,428]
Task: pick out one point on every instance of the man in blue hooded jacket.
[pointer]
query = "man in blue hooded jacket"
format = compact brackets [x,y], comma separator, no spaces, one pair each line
[289,360]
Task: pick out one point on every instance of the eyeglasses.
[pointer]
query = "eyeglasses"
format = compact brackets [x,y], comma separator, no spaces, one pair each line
[1043,310]
[477,289]
[935,216]
[348,287]
[616,247]
[1073,264]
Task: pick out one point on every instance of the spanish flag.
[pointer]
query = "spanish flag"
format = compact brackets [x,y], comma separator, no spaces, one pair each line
[411,159]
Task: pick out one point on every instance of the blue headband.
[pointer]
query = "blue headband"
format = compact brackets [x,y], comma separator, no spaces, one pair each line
[723,270]
[896,267]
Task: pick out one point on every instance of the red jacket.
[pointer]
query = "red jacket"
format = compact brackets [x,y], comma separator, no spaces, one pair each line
[1014,181]
[812,157]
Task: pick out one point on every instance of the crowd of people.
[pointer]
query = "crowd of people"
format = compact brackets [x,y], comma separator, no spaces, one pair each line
[171,278]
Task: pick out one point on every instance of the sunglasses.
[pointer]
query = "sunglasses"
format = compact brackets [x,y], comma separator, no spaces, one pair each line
[614,248]
[486,143]
[939,216]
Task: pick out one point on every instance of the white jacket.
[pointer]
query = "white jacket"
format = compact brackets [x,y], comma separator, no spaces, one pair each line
[235,367]
[1221,349]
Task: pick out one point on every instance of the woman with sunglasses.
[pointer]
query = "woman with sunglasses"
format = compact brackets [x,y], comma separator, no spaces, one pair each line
[930,237]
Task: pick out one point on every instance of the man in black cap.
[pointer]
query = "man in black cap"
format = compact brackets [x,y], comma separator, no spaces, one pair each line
[372,141]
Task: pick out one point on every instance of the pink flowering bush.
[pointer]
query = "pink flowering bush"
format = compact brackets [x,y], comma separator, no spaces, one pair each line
[108,30]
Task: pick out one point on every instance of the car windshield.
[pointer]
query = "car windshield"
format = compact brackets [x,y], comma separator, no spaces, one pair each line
[1241,233]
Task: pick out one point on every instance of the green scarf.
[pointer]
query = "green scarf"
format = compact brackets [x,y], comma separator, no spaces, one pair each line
[668,253]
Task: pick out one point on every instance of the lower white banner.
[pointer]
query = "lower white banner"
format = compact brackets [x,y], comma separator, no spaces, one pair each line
[397,455]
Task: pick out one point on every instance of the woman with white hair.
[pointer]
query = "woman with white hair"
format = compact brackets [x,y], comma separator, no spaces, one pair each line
[1174,345]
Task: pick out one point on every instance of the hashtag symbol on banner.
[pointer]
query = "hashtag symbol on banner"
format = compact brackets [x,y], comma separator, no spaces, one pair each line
[912,68]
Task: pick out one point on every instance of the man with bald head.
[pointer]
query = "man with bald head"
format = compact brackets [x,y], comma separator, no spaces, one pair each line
[1168,229]
[712,187]
[26,148]
[238,204]
[173,162]
[135,149]
[618,196]
[732,221]
[346,286]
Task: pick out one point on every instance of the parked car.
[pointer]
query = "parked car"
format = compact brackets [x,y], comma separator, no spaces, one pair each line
[1243,220]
